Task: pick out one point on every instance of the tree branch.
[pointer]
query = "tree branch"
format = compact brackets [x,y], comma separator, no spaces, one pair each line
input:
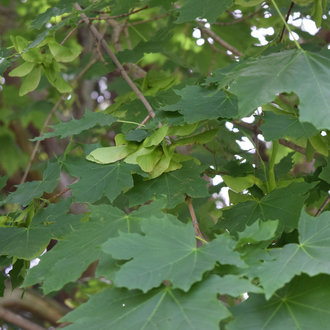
[113,57]
[219,40]
[18,320]
[194,220]
[126,14]
[239,20]
[323,206]
[286,19]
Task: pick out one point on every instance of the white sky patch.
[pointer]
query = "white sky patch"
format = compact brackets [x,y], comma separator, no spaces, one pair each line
[34,262]
[304,23]
[324,133]
[293,36]
[197,33]
[217,180]
[229,125]
[200,42]
[261,33]
[249,120]
[245,144]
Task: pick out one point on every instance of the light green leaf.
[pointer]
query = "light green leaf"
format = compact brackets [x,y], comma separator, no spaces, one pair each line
[297,71]
[198,138]
[109,155]
[175,256]
[199,103]
[64,54]
[148,161]
[73,127]
[257,232]
[209,9]
[302,304]
[22,70]
[239,183]
[160,309]
[31,81]
[320,144]
[156,138]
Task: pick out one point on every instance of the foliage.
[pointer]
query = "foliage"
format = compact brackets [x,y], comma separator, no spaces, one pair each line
[126,185]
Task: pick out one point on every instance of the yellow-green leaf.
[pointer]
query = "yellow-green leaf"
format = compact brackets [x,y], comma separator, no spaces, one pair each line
[64,54]
[31,81]
[22,70]
[157,137]
[109,155]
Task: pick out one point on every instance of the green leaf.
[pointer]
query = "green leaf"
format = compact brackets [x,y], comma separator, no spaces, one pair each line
[22,70]
[302,304]
[240,183]
[310,256]
[97,180]
[325,174]
[156,138]
[109,155]
[31,81]
[282,204]
[257,232]
[44,18]
[73,127]
[52,222]
[64,54]
[71,256]
[161,309]
[275,127]
[199,103]
[177,259]
[27,191]
[172,186]
[293,68]
[3,180]
[209,9]
[136,135]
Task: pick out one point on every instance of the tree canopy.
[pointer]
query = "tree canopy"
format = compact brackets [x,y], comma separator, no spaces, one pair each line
[164,164]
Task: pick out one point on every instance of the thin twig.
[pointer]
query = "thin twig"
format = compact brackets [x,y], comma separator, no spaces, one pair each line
[215,48]
[292,146]
[239,20]
[123,15]
[71,32]
[219,40]
[148,20]
[47,120]
[286,19]
[36,147]
[53,198]
[194,219]
[113,57]
[18,320]
[323,206]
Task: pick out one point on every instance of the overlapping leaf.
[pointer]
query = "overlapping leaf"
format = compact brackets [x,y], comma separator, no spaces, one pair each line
[172,186]
[310,256]
[74,127]
[199,103]
[163,309]
[279,126]
[96,180]
[52,222]
[167,252]
[259,81]
[302,304]
[282,204]
[34,189]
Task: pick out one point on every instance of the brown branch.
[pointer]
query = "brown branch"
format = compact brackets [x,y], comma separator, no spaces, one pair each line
[53,198]
[286,19]
[35,149]
[71,32]
[292,146]
[47,120]
[239,20]
[124,74]
[194,219]
[123,15]
[18,320]
[323,206]
[148,20]
[219,40]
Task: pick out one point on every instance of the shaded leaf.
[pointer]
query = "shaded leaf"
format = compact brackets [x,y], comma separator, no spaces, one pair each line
[174,258]
[302,304]
[73,127]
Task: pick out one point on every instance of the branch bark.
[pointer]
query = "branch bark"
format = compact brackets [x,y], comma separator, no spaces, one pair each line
[113,57]
[219,40]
